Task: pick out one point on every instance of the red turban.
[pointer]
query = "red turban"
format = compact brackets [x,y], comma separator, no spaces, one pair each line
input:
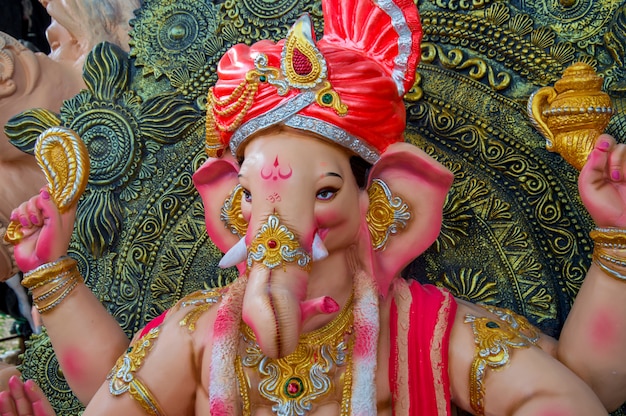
[347,88]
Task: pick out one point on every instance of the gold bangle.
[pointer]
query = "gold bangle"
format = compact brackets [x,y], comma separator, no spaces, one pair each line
[621,262]
[610,272]
[72,280]
[53,283]
[54,286]
[48,271]
[608,262]
[56,302]
[609,237]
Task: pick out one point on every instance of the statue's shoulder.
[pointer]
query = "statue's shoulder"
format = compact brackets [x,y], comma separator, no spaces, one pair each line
[185,313]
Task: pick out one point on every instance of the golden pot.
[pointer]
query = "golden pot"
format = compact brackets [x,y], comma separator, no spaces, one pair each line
[572,114]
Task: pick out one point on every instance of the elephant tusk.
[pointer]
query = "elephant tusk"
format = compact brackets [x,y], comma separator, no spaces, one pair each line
[235,255]
[319,249]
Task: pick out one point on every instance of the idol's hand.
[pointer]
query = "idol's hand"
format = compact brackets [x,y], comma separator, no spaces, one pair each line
[602,183]
[24,399]
[46,232]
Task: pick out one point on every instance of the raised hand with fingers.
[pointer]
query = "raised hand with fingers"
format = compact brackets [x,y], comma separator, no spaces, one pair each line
[24,399]
[597,320]
[45,232]
[602,183]
[41,227]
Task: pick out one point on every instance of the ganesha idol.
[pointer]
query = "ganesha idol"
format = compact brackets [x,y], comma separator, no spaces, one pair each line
[312,193]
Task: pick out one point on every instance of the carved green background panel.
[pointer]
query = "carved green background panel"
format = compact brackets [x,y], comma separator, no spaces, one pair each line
[514,232]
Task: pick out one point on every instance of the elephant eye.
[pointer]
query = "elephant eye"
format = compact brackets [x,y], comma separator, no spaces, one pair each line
[247,196]
[326,194]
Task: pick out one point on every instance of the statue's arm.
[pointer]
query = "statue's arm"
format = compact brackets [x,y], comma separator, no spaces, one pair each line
[166,368]
[86,338]
[160,373]
[593,340]
[497,369]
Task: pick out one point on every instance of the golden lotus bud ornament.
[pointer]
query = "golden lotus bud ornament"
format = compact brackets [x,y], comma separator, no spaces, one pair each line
[572,114]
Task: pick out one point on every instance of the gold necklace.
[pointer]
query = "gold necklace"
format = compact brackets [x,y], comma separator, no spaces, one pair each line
[294,382]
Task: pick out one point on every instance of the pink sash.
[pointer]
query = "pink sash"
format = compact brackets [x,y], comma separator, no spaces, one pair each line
[418,364]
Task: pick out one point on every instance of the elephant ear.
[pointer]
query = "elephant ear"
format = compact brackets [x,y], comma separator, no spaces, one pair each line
[407,190]
[215,181]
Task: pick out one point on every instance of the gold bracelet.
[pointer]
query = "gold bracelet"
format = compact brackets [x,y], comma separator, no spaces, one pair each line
[51,283]
[609,263]
[52,287]
[48,271]
[609,237]
[610,272]
[57,301]
[620,262]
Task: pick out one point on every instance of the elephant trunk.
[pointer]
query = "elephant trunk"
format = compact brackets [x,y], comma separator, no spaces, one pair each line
[272,309]
[274,304]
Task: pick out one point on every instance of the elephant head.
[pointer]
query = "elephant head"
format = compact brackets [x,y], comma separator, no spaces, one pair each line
[320,175]
[295,209]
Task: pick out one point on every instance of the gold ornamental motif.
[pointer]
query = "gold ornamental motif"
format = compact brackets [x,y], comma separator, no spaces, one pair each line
[294,382]
[302,63]
[387,214]
[231,213]
[199,302]
[275,245]
[236,106]
[64,159]
[494,340]
[122,378]
[572,114]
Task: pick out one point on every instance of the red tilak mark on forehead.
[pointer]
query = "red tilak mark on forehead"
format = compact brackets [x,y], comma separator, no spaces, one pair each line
[276,172]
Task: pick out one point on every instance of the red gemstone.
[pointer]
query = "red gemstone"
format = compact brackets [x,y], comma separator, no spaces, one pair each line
[272,244]
[293,387]
[301,64]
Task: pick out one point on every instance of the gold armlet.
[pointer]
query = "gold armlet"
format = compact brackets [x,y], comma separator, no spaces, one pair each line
[122,378]
[51,283]
[198,303]
[494,338]
[144,397]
